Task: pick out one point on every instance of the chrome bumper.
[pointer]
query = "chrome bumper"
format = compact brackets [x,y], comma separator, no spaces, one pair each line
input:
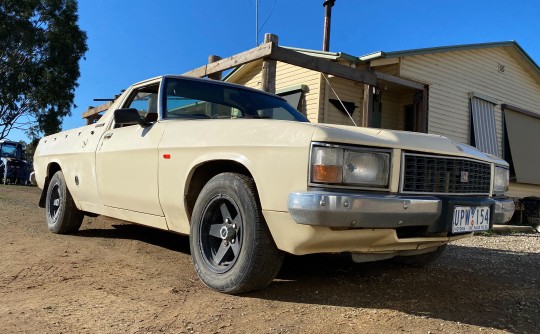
[331,209]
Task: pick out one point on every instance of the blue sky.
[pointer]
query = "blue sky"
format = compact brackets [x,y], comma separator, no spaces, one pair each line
[130,41]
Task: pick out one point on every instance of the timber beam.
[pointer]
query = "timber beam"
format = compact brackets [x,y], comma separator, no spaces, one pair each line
[259,52]
[324,66]
[271,51]
[400,81]
[96,110]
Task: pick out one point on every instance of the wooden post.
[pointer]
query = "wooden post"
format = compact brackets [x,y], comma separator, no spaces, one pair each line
[213,59]
[268,77]
[421,104]
[367,106]
[425,106]
[90,119]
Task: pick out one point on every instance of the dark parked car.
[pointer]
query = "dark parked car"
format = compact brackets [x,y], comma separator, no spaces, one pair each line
[13,166]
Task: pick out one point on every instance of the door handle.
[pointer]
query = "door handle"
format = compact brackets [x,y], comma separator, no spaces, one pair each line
[108,135]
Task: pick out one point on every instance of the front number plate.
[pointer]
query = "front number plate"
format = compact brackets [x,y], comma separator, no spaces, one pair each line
[470,219]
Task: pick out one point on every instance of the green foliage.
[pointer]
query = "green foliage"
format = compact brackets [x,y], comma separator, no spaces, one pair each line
[40,48]
[30,149]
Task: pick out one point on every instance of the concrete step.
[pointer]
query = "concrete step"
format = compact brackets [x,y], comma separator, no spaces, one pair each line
[514,228]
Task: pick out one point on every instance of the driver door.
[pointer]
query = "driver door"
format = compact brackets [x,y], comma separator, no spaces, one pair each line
[127,158]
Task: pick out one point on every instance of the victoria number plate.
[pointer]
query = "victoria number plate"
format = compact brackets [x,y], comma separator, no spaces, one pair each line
[470,219]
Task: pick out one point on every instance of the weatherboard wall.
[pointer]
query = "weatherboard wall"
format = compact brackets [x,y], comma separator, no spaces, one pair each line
[249,75]
[452,75]
[348,91]
[289,75]
[392,111]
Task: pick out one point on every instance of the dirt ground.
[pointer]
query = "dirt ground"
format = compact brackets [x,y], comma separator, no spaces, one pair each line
[115,277]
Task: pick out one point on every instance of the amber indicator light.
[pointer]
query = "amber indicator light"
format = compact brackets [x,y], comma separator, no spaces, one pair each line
[327,173]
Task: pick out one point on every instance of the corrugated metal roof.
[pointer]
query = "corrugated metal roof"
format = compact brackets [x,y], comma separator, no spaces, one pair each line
[326,54]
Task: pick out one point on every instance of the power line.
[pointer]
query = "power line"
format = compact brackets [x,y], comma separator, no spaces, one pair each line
[269,15]
[257,29]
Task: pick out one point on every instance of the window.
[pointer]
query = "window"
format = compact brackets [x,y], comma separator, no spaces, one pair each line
[521,141]
[293,95]
[145,101]
[194,99]
[483,131]
[10,150]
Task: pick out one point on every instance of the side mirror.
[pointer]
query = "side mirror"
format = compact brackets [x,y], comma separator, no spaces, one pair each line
[128,116]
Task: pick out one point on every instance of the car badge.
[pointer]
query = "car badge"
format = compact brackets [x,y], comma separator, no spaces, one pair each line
[464,177]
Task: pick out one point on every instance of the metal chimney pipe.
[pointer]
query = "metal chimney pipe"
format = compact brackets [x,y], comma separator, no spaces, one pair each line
[328,4]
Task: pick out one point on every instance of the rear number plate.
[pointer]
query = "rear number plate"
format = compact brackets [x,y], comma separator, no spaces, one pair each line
[470,219]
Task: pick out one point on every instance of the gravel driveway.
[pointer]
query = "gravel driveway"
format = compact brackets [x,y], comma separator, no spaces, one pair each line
[115,277]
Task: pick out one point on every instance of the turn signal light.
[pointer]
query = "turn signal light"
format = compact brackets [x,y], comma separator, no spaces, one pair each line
[327,173]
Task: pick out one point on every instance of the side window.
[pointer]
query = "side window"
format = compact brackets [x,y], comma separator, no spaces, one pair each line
[145,100]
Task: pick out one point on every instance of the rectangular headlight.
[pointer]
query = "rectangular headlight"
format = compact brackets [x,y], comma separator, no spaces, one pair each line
[350,166]
[366,168]
[501,180]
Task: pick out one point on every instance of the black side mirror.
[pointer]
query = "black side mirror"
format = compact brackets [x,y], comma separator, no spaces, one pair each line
[128,116]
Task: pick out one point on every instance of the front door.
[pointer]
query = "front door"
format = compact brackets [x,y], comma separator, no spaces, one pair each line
[127,159]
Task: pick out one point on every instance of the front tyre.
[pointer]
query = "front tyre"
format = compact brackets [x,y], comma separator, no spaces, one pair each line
[63,217]
[231,246]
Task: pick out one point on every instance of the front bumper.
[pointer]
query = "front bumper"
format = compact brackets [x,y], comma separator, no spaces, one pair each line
[347,210]
[13,169]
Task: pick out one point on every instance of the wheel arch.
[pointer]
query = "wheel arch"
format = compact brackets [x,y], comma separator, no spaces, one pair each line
[203,172]
[52,168]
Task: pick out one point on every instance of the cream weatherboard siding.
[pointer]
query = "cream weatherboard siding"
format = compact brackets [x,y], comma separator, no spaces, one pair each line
[286,76]
[347,90]
[452,75]
[392,115]
[289,75]
[250,75]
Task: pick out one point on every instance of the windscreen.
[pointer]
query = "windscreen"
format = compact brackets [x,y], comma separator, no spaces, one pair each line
[11,151]
[184,98]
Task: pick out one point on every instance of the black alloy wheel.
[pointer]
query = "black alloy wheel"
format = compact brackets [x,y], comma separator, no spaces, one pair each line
[221,233]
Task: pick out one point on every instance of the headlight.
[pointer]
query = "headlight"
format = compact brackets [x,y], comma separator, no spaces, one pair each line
[350,166]
[501,181]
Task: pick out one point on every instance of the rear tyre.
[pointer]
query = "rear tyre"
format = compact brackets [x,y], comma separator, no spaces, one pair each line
[63,217]
[419,260]
[231,247]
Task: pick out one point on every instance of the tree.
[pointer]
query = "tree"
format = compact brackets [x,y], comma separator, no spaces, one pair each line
[40,48]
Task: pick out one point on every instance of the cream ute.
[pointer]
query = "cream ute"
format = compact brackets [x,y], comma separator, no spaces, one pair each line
[247,177]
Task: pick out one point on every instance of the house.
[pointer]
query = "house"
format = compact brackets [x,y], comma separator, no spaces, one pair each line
[485,95]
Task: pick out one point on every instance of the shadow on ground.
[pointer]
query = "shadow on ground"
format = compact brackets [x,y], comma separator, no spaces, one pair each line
[475,286]
[164,239]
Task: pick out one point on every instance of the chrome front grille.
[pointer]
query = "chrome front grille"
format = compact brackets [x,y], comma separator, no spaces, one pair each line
[432,174]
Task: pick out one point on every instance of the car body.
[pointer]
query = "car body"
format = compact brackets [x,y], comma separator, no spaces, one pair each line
[215,159]
[13,166]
